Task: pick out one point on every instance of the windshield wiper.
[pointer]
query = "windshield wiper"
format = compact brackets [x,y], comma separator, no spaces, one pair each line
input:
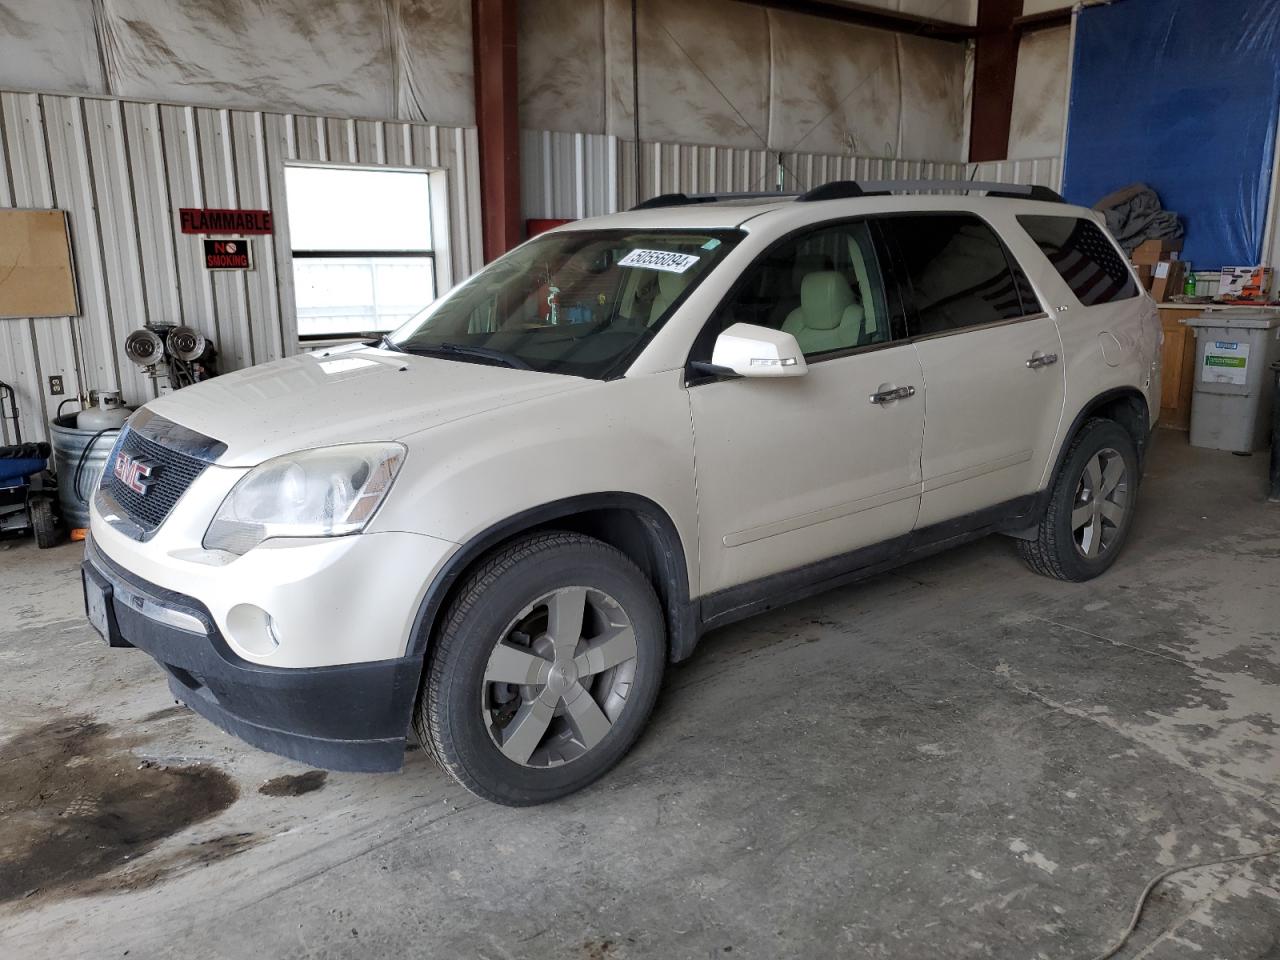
[482,353]
[386,343]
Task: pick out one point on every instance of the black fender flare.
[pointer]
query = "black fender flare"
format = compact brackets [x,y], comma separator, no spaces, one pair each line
[670,565]
[1086,411]
[1026,529]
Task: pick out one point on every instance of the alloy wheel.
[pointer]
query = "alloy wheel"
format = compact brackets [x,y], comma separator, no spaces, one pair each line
[558,677]
[1101,503]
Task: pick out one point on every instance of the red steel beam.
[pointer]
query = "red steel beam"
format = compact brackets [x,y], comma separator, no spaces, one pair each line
[865,15]
[995,63]
[493,25]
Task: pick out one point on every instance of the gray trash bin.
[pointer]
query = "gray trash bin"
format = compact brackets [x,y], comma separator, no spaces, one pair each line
[1231,405]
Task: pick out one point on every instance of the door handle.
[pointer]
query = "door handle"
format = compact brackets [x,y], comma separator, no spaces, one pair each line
[1042,360]
[892,394]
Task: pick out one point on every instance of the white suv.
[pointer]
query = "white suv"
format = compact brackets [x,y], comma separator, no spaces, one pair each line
[499,523]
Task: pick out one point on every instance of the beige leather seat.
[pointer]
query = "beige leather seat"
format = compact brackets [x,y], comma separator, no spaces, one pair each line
[789,299]
[827,318]
[670,286]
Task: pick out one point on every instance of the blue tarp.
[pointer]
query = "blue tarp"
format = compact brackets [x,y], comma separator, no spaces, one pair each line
[1181,95]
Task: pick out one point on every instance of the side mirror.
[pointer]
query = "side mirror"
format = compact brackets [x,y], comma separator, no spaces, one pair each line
[752,351]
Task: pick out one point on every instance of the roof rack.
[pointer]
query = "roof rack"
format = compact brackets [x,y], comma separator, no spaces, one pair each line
[835,190]
[844,189]
[848,189]
[685,199]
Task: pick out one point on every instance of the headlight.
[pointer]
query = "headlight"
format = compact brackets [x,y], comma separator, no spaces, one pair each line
[327,492]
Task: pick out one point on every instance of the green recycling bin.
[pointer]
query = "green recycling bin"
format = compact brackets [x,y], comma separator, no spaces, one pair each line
[1231,403]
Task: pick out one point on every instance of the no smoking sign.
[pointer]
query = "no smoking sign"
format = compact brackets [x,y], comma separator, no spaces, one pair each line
[227,255]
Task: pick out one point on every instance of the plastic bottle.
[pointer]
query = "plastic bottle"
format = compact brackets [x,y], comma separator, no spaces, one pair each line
[1189,285]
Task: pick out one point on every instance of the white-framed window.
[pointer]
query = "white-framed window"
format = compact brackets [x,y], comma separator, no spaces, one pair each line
[363,257]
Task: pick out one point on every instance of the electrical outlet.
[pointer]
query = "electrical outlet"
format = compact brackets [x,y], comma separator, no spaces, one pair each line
[55,386]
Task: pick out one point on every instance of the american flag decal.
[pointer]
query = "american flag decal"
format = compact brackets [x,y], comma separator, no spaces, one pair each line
[1089,264]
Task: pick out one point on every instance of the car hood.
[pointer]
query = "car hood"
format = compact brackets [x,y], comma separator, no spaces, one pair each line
[345,395]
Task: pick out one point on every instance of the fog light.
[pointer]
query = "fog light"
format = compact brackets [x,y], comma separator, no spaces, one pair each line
[252,629]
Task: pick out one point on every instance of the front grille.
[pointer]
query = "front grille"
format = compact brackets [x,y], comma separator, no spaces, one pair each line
[171,473]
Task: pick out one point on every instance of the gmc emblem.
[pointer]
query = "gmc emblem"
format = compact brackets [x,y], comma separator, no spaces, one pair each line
[134,474]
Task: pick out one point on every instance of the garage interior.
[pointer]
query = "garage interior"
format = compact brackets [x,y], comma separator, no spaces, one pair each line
[954,759]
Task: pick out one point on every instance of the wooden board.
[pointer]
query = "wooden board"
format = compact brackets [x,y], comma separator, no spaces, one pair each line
[1177,367]
[36,278]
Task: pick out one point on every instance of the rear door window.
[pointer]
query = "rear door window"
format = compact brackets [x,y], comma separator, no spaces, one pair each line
[955,273]
[1083,257]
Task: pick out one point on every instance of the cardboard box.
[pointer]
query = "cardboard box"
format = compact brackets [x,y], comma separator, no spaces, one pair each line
[1167,280]
[1245,283]
[1146,273]
[1153,251]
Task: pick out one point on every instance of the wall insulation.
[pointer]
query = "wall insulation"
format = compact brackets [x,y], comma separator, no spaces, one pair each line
[388,59]
[742,76]
[1038,121]
[121,169]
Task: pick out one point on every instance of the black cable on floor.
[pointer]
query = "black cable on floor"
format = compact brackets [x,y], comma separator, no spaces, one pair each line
[1158,879]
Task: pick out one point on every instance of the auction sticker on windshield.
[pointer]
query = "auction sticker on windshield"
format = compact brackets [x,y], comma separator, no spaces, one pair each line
[659,260]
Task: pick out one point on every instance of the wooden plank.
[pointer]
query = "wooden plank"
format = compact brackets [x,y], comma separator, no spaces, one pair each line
[36,277]
[1177,368]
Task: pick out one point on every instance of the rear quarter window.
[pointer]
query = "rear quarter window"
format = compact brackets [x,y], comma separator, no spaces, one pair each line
[1083,257]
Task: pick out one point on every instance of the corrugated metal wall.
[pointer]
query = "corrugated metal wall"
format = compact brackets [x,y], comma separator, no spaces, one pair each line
[1045,171]
[122,169]
[579,175]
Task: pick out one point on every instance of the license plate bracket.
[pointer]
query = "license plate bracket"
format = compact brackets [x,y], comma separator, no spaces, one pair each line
[100,609]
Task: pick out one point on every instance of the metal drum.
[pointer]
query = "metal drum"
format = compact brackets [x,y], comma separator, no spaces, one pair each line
[79,457]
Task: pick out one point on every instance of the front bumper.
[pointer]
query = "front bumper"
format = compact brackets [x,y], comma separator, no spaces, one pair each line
[347,717]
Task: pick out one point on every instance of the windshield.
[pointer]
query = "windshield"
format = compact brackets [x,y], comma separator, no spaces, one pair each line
[582,302]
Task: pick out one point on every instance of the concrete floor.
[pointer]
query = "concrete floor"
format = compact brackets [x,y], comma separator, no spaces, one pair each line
[957,760]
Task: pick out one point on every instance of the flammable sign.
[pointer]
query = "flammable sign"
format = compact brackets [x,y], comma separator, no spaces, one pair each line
[227,255]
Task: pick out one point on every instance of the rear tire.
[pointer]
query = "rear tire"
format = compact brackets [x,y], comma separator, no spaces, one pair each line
[1091,508]
[44,522]
[544,671]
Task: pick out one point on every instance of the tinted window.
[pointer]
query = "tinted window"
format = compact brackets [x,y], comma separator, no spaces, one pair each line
[956,272]
[1030,302]
[1083,256]
[824,287]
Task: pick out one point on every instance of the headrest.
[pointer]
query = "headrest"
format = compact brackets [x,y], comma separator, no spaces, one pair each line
[807,263]
[823,298]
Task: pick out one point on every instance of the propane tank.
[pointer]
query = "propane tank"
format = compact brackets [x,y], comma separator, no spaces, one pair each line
[109,413]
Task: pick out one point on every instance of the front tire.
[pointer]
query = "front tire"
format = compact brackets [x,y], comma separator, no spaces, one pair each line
[544,671]
[1091,508]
